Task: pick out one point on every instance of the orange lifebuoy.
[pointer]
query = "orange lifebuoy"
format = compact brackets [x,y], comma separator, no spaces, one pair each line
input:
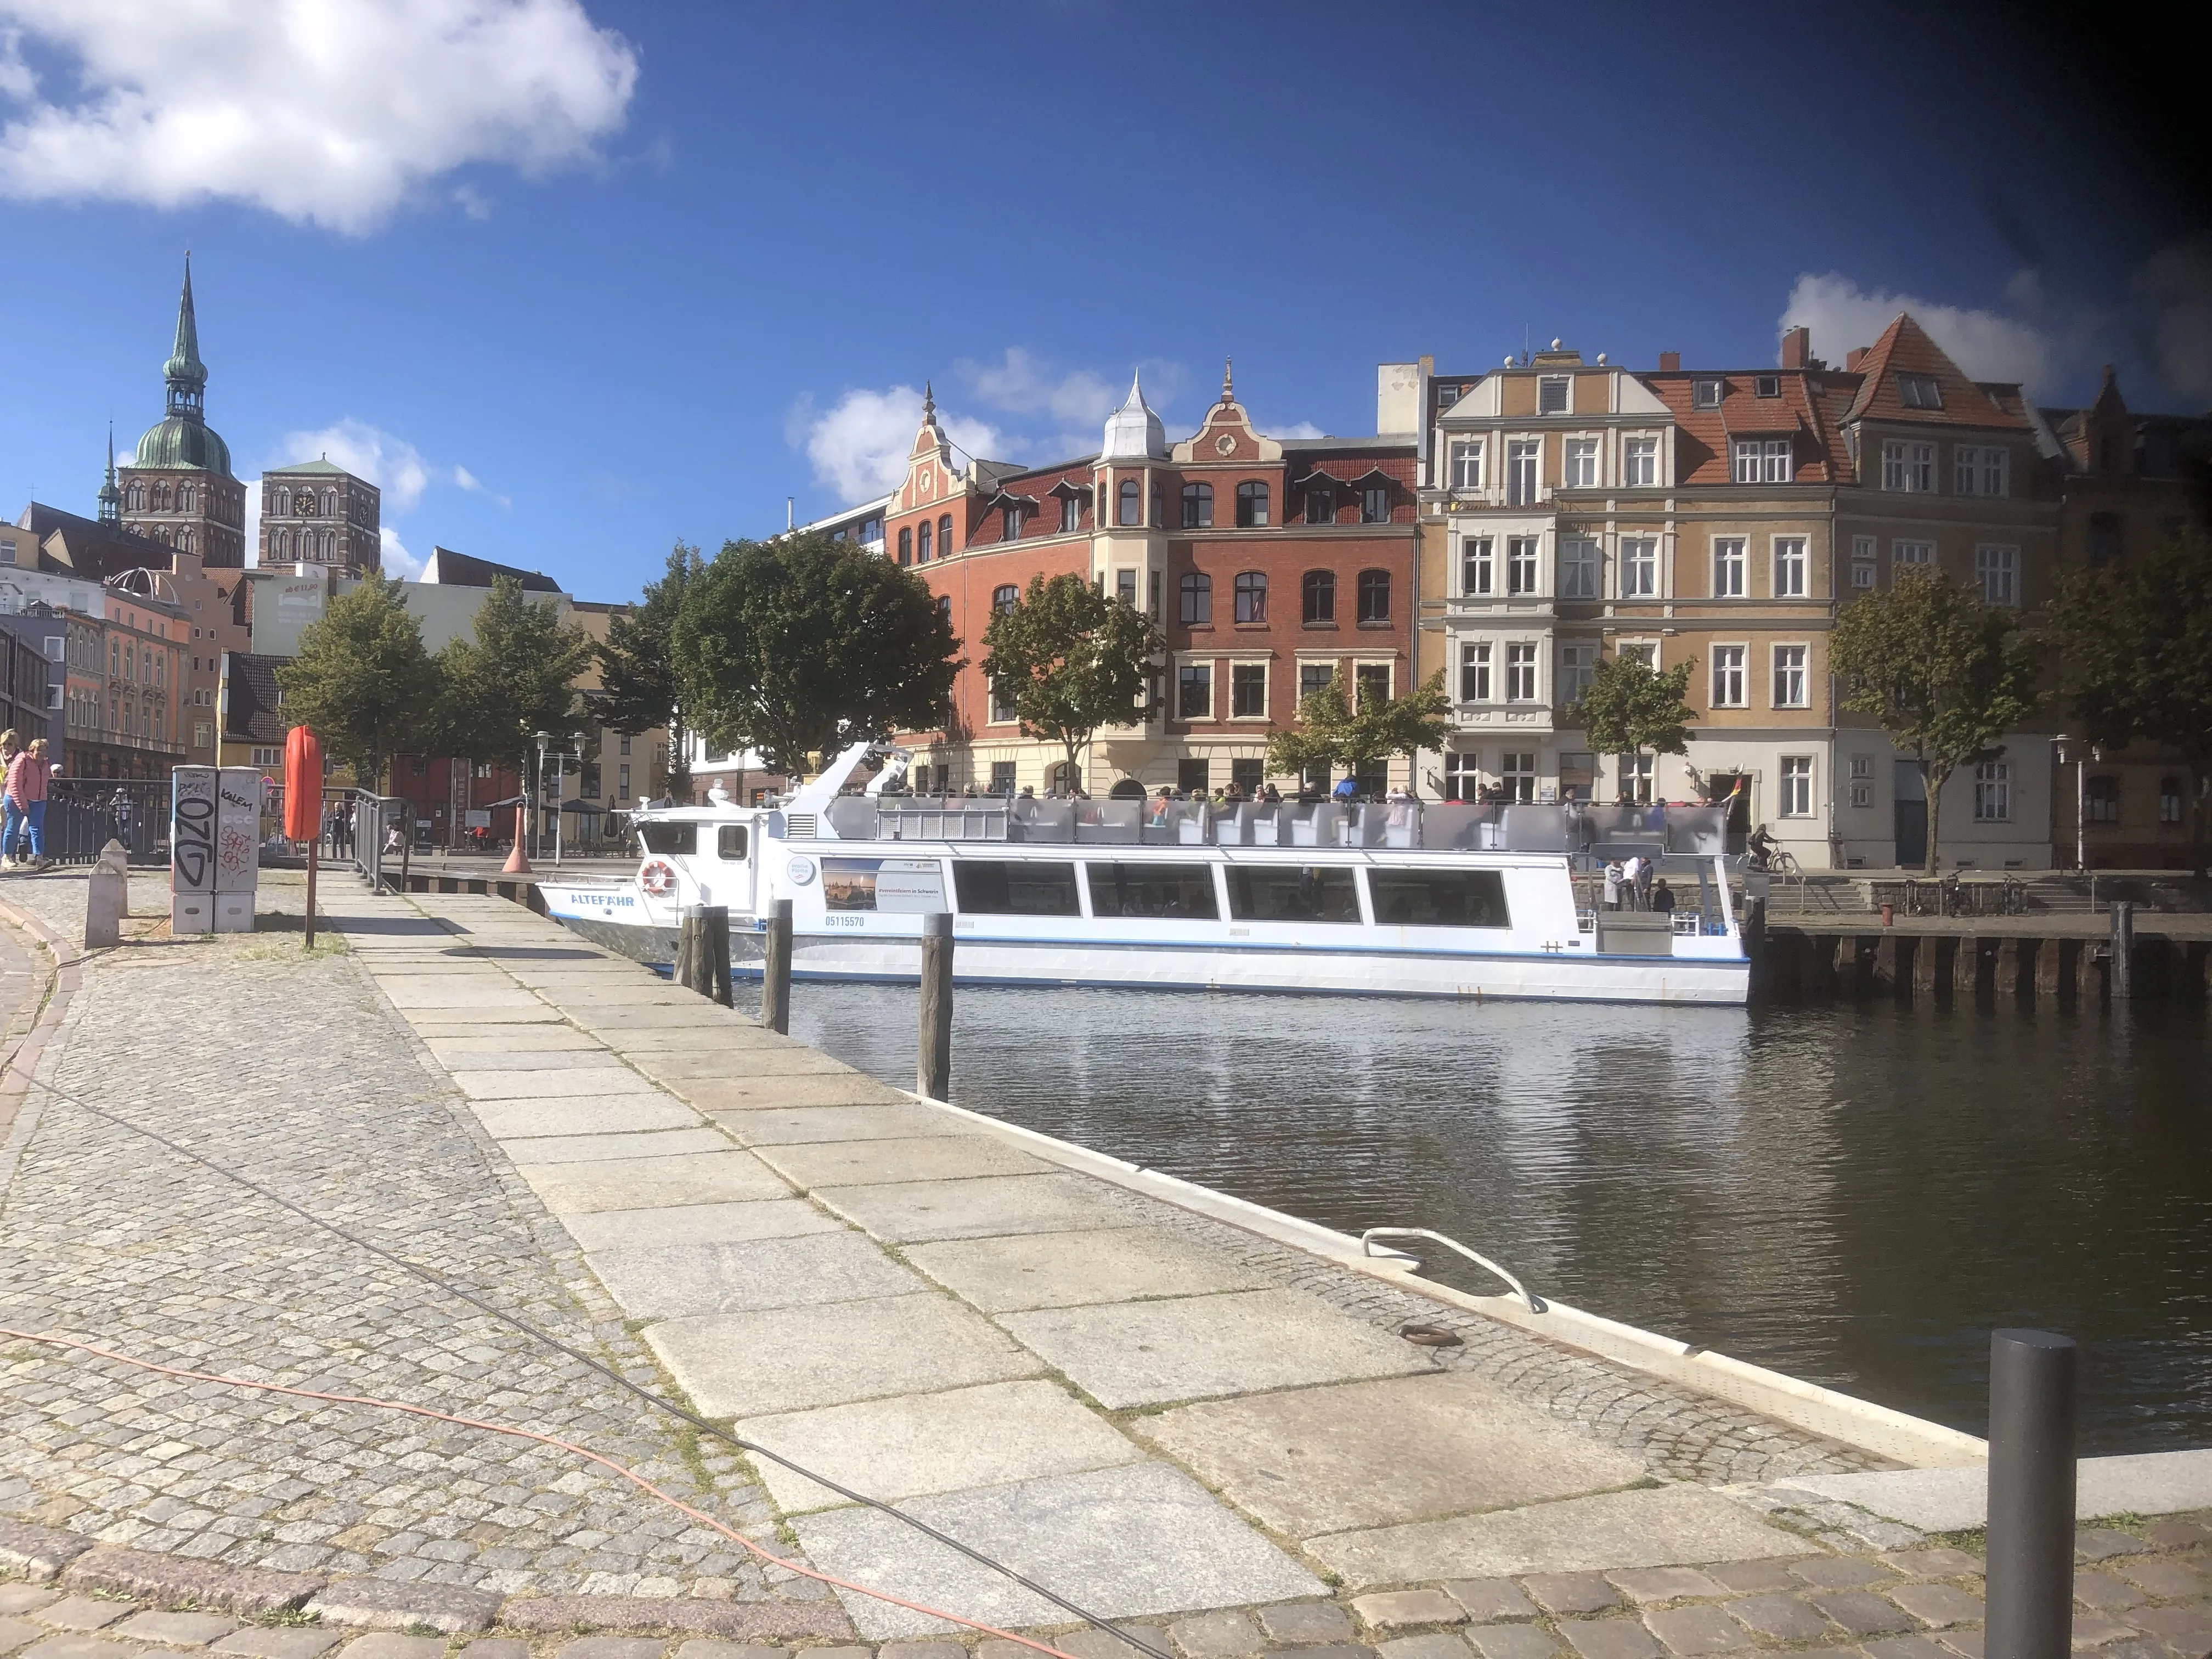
[656,879]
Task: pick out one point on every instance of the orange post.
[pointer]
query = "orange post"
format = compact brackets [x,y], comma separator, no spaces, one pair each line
[303,804]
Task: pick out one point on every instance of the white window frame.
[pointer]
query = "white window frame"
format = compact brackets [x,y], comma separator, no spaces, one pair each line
[1981,469]
[1792,568]
[1517,771]
[1524,460]
[1205,665]
[1705,393]
[1579,466]
[1997,567]
[1792,679]
[1266,687]
[1525,571]
[1730,563]
[1521,659]
[1577,663]
[1993,792]
[1467,462]
[1390,677]
[1636,777]
[1797,790]
[1645,651]
[1743,461]
[1579,566]
[1474,659]
[1908,465]
[1639,461]
[1912,553]
[1730,675]
[1777,461]
[1561,384]
[1478,559]
[1639,568]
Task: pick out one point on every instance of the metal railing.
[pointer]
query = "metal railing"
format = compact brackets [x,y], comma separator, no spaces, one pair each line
[84,814]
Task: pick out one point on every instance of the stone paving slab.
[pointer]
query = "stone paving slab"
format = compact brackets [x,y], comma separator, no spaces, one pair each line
[561,1081]
[721,1173]
[1952,1500]
[1061,1270]
[532,1121]
[613,1148]
[666,1281]
[897,1118]
[871,1163]
[739,1096]
[551,1057]
[1148,1353]
[550,1040]
[917,1445]
[916,1212]
[698,1223]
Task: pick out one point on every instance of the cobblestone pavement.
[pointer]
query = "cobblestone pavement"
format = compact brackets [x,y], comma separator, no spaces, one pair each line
[295,1073]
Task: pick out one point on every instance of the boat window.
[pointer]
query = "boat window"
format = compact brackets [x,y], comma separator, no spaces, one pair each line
[1438,898]
[1293,892]
[991,887]
[730,840]
[1182,890]
[669,837]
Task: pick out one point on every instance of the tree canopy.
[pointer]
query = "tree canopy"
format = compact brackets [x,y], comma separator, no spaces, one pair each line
[1071,660]
[1334,730]
[637,664]
[1629,707]
[1944,674]
[362,682]
[803,644]
[2136,640]
[513,680]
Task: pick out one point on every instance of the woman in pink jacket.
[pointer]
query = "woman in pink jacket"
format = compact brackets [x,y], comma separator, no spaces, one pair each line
[26,793]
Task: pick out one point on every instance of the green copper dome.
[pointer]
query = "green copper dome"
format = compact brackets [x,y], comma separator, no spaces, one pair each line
[184,438]
[181,442]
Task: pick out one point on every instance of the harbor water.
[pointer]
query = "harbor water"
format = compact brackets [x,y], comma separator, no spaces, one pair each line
[1854,1195]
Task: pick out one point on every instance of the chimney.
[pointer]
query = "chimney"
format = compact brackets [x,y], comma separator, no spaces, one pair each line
[1669,361]
[1854,358]
[1797,348]
[1398,398]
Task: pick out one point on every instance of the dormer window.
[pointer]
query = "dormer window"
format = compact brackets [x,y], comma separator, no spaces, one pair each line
[1552,396]
[1919,391]
[1766,385]
[1010,524]
[1705,394]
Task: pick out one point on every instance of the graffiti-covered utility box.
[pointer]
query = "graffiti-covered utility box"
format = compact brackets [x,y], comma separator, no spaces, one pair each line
[215,848]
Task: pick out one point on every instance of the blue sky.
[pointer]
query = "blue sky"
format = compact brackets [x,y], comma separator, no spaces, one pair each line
[574,281]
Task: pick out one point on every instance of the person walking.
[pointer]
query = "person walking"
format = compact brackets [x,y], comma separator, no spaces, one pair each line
[14,823]
[25,795]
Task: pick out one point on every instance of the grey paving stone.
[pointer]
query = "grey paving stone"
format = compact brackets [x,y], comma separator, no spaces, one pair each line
[733,1620]
[23,1598]
[868,1163]
[2102,1543]
[1839,1572]
[1941,1563]
[176,1630]
[18,1632]
[1785,1618]
[921,1650]
[74,1646]
[84,1612]
[698,1224]
[2093,1631]
[1570,1592]
[1609,1638]
[1937,1605]
[1436,1644]
[1344,1650]
[385,1645]
[1102,1264]
[1098,1644]
[1692,1630]
[187,1577]
[1306,1623]
[1966,1643]
[387,1604]
[1645,1585]
[495,1647]
[612,1647]
[280,1642]
[1395,1609]
[2167,1579]
[2100,1591]
[674,1281]
[1906,1647]
[1489,1598]
[1861,1613]
[989,1205]
[1751,1575]
[1216,1635]
[39,1553]
[1511,1642]
[2177,1534]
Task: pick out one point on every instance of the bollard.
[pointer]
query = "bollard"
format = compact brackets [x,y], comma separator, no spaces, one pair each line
[2031,1496]
[2124,950]
[933,1065]
[108,897]
[775,970]
[717,942]
[687,949]
[1755,920]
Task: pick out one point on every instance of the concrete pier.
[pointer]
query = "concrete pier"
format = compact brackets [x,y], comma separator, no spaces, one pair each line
[2053,961]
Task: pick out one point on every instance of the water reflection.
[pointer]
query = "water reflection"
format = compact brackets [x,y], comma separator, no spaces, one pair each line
[1853,1195]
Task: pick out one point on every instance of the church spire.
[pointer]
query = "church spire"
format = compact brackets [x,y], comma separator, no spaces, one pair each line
[110,498]
[185,373]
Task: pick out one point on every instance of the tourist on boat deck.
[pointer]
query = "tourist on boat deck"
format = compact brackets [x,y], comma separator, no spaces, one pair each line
[1234,793]
[1028,792]
[1662,897]
[1347,790]
[1632,880]
[1612,875]
[1269,794]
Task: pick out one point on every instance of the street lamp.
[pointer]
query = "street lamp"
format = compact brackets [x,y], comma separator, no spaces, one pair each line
[538,799]
[2068,753]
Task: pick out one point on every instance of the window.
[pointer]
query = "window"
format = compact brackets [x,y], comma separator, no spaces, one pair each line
[1553,394]
[729,840]
[1705,394]
[1908,466]
[1194,777]
[1520,673]
[1198,507]
[1998,571]
[1005,597]
[2100,800]
[1197,600]
[1766,385]
[1978,470]
[1582,463]
[1003,712]
[1727,567]
[1993,793]
[921,543]
[2169,800]
[1251,506]
[1474,672]
[944,535]
[1165,891]
[1195,692]
[1521,564]
[1521,456]
[1919,391]
[2103,537]
[1727,677]
[1474,569]
[1640,567]
[1912,552]
[1251,596]
[1002,777]
[1159,516]
[1284,892]
[1579,567]
[1125,587]
[993,887]
[1761,460]
[1578,667]
[1517,770]
[1371,685]
[1438,898]
[1639,463]
[1862,562]
[666,839]
[1790,676]
[1375,504]
[1071,513]
[1247,775]
[1744,468]
[1320,504]
[1463,776]
[1314,677]
[1153,599]
[1636,778]
[1248,690]
[1320,594]
[625,742]
[1131,507]
[271,756]
[1789,568]
[1374,598]
[1797,787]
[1467,463]
[1010,525]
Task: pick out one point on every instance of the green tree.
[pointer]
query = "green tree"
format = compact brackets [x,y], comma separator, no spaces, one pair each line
[514,678]
[1071,660]
[1629,707]
[1944,675]
[803,644]
[637,664]
[1317,741]
[1334,731]
[2134,641]
[362,682]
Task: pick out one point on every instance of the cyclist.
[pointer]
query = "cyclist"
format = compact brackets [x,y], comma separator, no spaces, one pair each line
[1763,849]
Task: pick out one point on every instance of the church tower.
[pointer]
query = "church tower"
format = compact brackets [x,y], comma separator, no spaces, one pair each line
[178,489]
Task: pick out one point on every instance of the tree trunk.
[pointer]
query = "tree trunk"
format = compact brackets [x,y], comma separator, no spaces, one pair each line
[1932,785]
[1069,778]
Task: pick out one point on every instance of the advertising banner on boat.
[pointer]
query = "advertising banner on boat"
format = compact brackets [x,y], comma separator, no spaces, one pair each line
[901,886]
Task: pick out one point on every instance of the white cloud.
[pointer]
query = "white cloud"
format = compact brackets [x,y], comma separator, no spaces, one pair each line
[1026,385]
[467,480]
[1295,429]
[2177,283]
[1987,345]
[858,447]
[330,111]
[392,465]
[397,560]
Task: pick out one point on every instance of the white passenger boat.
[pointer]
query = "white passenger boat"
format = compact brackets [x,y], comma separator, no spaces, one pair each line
[1392,900]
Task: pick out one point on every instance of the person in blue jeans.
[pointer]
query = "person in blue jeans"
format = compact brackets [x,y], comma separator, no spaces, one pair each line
[26,796]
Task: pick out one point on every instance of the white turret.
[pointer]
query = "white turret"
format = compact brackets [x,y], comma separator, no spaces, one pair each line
[1133,432]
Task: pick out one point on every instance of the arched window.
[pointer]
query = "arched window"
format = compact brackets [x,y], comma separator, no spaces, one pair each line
[135,497]
[330,502]
[906,547]
[183,498]
[1252,596]
[1251,506]
[1198,507]
[185,540]
[921,544]
[1131,509]
[1374,596]
[1320,599]
[1197,598]
[944,537]
[1006,597]
[1160,511]
[160,497]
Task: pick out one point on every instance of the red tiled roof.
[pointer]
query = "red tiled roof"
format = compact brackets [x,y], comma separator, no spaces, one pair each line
[1904,348]
[1702,436]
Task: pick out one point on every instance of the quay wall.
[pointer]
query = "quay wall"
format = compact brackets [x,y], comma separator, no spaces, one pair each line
[1906,964]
